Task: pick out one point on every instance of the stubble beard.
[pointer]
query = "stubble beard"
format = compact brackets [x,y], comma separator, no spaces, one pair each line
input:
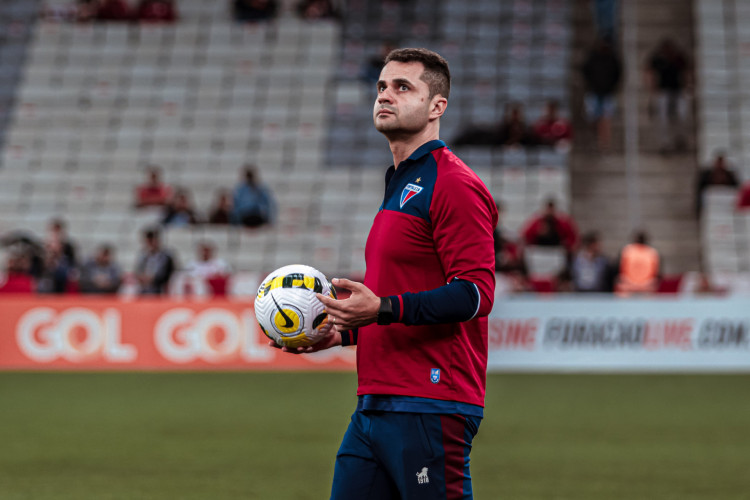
[395,129]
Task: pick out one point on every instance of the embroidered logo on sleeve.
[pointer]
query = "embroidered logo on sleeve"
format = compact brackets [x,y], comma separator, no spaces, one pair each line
[409,192]
[435,375]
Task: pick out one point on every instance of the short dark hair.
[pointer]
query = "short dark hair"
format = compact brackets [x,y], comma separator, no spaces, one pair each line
[436,73]
[590,238]
[151,233]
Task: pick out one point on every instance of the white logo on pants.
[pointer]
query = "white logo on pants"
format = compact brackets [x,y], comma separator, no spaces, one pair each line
[422,476]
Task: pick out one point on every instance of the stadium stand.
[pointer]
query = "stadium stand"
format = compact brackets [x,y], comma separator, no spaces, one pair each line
[99,103]
[724,110]
[500,52]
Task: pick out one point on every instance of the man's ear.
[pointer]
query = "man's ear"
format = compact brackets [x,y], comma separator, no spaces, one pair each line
[438,105]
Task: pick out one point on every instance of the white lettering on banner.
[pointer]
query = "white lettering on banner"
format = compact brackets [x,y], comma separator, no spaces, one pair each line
[214,335]
[76,334]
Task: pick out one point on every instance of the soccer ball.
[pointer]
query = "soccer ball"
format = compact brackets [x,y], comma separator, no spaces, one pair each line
[287,309]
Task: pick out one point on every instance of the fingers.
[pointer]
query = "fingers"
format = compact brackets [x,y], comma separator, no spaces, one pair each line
[274,344]
[329,327]
[332,305]
[346,284]
[291,350]
[327,301]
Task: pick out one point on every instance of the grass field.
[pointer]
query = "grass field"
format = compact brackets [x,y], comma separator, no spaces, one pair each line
[274,436]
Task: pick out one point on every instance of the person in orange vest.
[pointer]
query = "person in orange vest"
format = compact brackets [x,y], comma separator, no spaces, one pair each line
[639,267]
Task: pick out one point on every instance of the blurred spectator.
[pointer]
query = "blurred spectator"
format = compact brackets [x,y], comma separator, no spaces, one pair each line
[551,129]
[601,73]
[668,75]
[718,174]
[86,10]
[551,228]
[477,135]
[157,11]
[743,200]
[100,274]
[221,212]
[57,239]
[179,211]
[316,9]
[208,265]
[212,269]
[508,255]
[513,130]
[639,269]
[17,277]
[23,243]
[152,193]
[155,265]
[111,10]
[254,10]
[56,271]
[59,10]
[253,202]
[370,70]
[590,270]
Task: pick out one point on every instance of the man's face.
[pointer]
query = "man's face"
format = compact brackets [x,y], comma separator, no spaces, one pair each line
[152,243]
[103,258]
[403,104]
[206,253]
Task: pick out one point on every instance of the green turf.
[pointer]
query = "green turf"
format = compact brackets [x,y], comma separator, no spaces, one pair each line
[274,436]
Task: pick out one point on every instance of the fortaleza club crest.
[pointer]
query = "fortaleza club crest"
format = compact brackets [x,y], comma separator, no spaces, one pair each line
[435,375]
[409,192]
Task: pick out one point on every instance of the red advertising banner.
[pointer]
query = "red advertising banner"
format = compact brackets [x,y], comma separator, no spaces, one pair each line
[74,333]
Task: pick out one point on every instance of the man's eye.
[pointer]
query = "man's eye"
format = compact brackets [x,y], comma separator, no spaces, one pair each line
[381,88]
[403,87]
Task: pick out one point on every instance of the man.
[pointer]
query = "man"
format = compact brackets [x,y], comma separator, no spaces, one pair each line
[153,192]
[253,202]
[101,275]
[668,75]
[210,268]
[718,174]
[640,267]
[155,265]
[591,271]
[551,129]
[550,227]
[419,318]
[601,73]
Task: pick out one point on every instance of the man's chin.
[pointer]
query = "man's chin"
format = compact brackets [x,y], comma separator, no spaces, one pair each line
[385,128]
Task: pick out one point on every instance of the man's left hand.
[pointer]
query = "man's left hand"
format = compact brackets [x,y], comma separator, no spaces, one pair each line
[360,309]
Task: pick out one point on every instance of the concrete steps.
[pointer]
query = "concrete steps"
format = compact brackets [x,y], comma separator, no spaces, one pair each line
[666,184]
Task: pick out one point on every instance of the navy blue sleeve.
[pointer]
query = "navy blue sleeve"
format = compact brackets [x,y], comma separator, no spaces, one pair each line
[452,303]
[349,337]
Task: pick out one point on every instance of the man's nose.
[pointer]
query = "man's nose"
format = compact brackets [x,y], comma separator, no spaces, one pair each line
[384,96]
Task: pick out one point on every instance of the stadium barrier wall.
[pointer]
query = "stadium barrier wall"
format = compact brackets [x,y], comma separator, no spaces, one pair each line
[74,333]
[525,334]
[613,334]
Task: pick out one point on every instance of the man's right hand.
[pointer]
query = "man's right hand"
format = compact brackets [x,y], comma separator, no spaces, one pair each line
[331,338]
